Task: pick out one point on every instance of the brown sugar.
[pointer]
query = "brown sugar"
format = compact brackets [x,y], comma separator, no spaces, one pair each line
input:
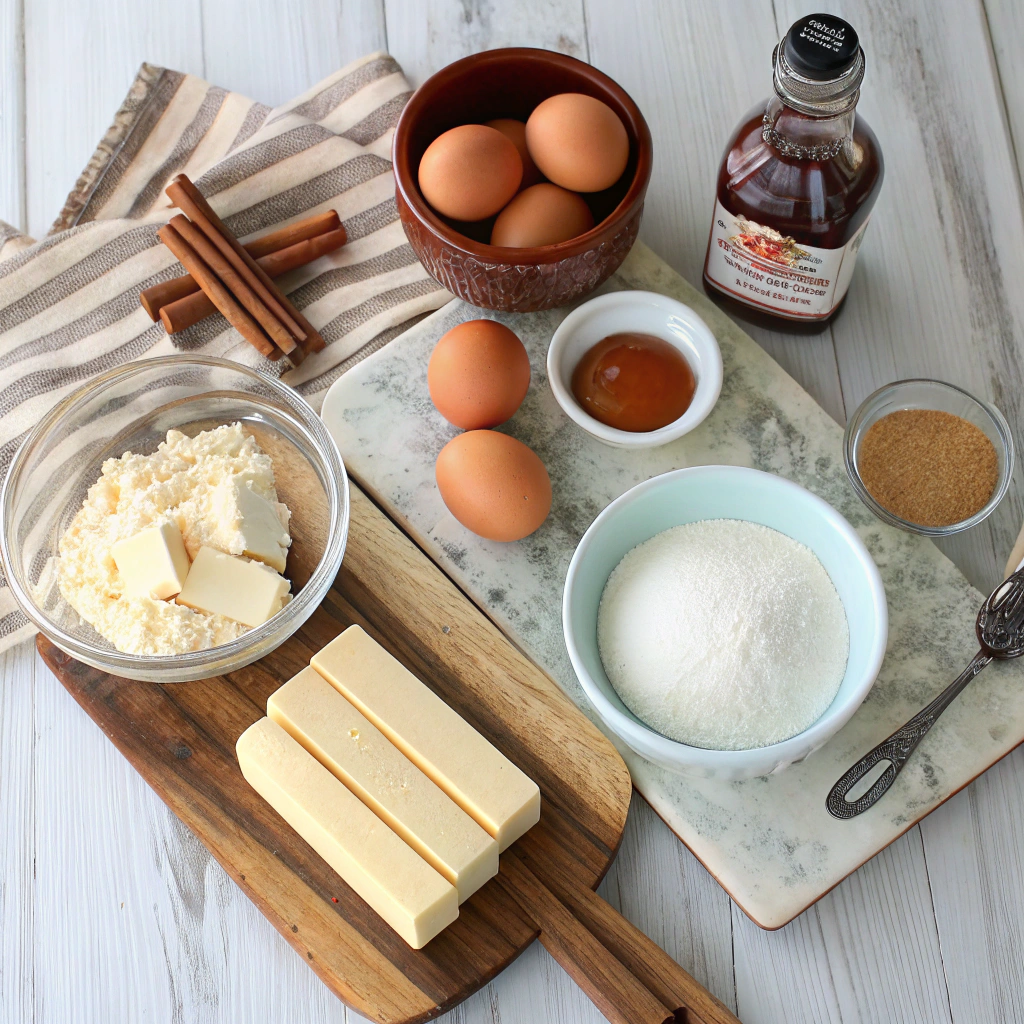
[929,467]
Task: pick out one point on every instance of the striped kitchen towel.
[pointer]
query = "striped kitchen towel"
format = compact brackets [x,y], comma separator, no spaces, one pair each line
[69,304]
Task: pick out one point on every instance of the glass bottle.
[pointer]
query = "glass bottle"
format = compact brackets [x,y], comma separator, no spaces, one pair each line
[797,182]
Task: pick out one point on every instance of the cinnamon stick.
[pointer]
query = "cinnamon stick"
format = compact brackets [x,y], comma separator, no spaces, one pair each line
[189,310]
[219,295]
[234,282]
[191,202]
[155,298]
[283,238]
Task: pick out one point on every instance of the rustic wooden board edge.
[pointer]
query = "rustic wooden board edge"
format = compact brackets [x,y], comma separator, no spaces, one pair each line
[410,1003]
[67,670]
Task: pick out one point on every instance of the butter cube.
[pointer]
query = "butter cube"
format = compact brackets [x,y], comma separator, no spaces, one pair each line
[251,522]
[220,584]
[390,876]
[444,746]
[345,742]
[153,563]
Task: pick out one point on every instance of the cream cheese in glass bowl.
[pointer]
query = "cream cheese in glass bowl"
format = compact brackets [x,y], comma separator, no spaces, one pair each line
[132,408]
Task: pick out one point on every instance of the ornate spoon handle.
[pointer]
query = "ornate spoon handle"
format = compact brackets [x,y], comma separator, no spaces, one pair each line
[896,749]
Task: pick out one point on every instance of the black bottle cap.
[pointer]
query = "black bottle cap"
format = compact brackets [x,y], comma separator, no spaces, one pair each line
[821,47]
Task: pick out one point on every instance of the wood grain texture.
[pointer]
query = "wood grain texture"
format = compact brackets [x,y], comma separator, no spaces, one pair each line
[18,815]
[425,35]
[904,964]
[611,986]
[1005,30]
[674,988]
[975,858]
[273,51]
[140,922]
[79,62]
[665,891]
[181,739]
[12,113]
[868,951]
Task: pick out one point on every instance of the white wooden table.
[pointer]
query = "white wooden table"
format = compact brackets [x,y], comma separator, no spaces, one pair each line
[111,911]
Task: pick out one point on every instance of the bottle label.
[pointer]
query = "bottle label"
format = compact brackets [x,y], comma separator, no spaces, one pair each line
[758,266]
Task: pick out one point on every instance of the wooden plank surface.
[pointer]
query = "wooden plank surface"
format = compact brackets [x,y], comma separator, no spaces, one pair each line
[79,62]
[286,47]
[425,35]
[186,945]
[12,113]
[17,833]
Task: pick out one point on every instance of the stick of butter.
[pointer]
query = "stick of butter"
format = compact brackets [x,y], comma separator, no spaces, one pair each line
[392,878]
[475,774]
[346,743]
[221,584]
[153,563]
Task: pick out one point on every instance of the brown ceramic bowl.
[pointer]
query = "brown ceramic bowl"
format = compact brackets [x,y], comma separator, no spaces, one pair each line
[510,83]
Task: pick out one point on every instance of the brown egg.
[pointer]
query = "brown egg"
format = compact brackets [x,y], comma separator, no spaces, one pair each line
[542,215]
[494,485]
[478,374]
[578,142]
[515,132]
[470,172]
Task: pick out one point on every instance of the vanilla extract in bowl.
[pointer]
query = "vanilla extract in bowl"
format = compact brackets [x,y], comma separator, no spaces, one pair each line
[634,382]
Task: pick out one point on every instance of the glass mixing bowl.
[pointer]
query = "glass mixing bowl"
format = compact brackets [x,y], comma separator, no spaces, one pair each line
[929,394]
[132,408]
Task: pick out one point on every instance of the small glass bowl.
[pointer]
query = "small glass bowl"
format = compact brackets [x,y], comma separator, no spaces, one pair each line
[929,394]
[132,408]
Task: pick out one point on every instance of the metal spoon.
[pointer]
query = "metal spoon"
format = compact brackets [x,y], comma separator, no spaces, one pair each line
[1000,629]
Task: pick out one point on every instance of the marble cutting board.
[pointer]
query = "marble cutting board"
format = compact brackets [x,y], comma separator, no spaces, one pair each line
[769,842]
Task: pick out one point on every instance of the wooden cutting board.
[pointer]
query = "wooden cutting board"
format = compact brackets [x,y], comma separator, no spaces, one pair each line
[181,739]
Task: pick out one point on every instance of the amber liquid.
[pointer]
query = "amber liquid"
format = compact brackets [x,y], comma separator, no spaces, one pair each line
[634,382]
[816,202]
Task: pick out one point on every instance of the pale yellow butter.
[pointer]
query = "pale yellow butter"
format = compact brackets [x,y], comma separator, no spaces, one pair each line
[153,563]
[474,773]
[342,739]
[391,877]
[220,584]
[249,524]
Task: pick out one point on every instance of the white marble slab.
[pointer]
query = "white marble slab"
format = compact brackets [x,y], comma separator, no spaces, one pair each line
[769,842]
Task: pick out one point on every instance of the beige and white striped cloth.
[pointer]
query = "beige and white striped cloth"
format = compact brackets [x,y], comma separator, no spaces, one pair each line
[69,304]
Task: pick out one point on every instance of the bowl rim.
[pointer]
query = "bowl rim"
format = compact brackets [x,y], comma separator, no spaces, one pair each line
[854,433]
[668,751]
[709,380]
[409,193]
[223,655]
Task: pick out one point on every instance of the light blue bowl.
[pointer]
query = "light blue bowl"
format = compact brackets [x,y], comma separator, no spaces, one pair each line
[724,492]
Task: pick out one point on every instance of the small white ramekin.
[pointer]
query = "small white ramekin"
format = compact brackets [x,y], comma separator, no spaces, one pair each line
[644,313]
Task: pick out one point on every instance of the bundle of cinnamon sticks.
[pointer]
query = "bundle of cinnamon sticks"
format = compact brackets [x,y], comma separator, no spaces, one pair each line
[237,280]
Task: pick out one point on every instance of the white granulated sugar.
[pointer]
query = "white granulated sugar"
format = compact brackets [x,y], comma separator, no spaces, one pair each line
[723,634]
